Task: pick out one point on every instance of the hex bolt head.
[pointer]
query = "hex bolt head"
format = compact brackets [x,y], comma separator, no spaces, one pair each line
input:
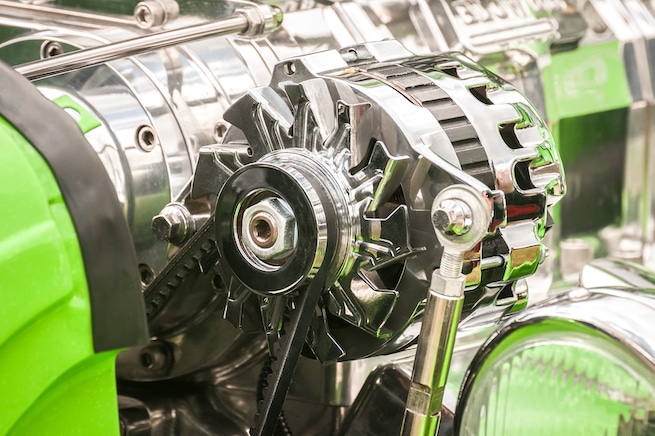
[174,224]
[269,229]
[453,217]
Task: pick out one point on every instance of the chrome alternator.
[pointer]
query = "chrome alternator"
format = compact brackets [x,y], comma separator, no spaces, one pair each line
[348,150]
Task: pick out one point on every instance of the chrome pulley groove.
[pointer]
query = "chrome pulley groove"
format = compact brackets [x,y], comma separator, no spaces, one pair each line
[364,140]
[271,225]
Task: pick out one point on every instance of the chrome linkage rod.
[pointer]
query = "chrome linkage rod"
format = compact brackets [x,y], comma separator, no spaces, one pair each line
[251,21]
[460,218]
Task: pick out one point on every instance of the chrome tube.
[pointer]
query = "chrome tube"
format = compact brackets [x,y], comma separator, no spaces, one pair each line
[433,355]
[244,21]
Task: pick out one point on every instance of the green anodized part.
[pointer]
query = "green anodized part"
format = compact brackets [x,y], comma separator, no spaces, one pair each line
[85,119]
[587,80]
[51,382]
[587,100]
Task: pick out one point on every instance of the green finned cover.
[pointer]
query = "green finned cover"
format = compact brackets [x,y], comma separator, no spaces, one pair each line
[51,382]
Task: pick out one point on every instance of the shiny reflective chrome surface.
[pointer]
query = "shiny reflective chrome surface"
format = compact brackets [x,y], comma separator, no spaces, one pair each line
[335,126]
[157,111]
[594,307]
[602,314]
[175,92]
[159,121]
[140,45]
[604,273]
[443,307]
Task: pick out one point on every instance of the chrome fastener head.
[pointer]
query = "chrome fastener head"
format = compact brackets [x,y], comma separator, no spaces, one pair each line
[269,230]
[453,217]
[261,19]
[461,217]
[155,13]
[146,138]
[50,49]
[174,224]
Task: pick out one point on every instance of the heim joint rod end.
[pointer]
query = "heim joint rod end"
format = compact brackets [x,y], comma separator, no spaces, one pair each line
[460,217]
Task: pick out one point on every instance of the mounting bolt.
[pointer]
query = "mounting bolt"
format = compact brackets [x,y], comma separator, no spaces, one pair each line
[155,13]
[51,49]
[174,224]
[460,217]
[453,217]
[146,138]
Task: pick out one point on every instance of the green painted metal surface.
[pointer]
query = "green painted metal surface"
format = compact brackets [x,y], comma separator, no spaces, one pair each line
[85,119]
[587,80]
[587,104]
[51,382]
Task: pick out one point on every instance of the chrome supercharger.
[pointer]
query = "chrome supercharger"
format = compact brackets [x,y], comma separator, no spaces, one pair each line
[287,189]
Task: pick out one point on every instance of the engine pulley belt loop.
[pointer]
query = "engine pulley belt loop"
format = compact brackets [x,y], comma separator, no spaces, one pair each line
[291,343]
[317,229]
[290,346]
[199,252]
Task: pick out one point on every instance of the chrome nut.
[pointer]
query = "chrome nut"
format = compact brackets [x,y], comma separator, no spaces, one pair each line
[269,230]
[261,19]
[449,287]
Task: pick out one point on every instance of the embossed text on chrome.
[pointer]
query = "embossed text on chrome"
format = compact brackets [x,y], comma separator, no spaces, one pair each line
[478,11]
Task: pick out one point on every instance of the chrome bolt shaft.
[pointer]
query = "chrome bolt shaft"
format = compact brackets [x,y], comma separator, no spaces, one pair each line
[247,21]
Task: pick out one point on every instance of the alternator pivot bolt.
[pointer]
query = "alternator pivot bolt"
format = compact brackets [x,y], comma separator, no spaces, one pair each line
[453,217]
[174,224]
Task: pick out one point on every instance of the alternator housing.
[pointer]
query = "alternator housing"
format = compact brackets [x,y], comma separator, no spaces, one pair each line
[383,132]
